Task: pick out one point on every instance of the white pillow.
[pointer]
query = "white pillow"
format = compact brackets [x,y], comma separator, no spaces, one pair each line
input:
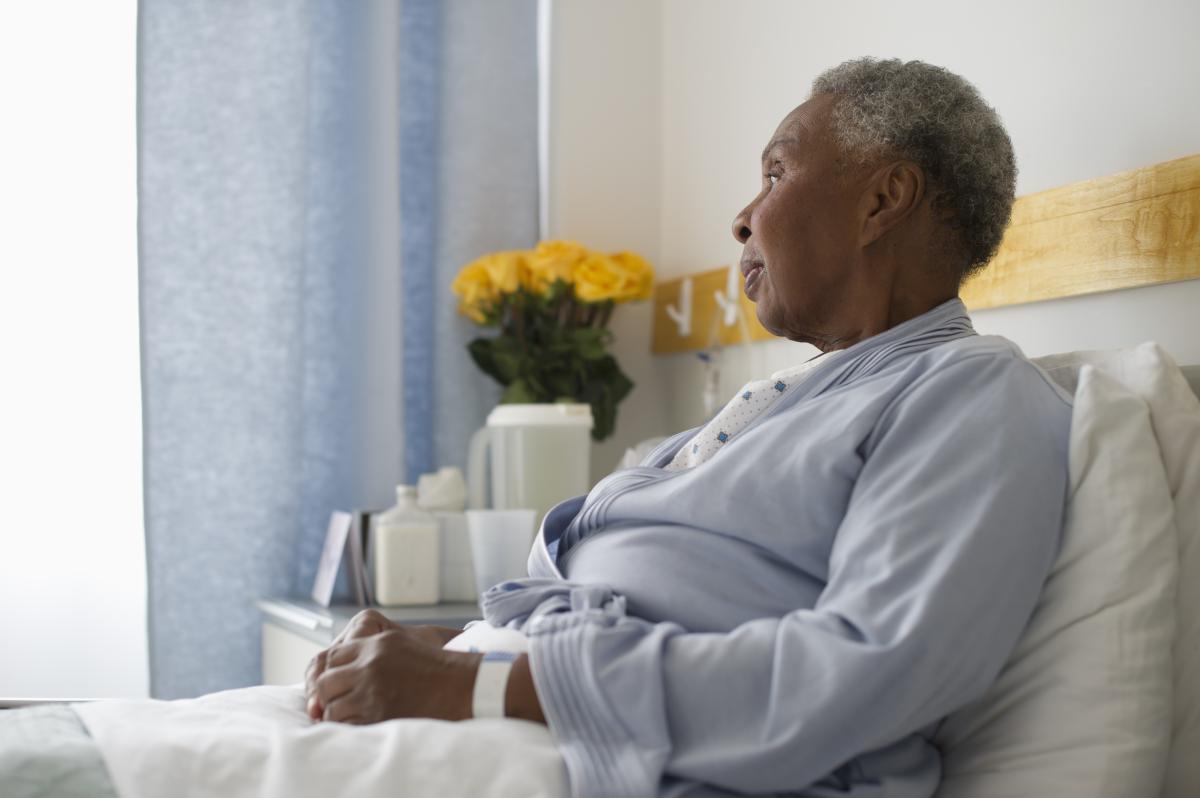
[1083,707]
[1150,372]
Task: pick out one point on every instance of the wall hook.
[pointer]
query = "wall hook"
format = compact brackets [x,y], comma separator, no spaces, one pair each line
[729,300]
[682,315]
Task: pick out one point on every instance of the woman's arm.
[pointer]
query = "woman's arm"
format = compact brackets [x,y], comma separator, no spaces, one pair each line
[402,672]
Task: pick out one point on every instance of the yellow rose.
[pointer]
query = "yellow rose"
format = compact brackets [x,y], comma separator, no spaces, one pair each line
[620,277]
[475,290]
[598,277]
[506,270]
[639,275]
[552,261]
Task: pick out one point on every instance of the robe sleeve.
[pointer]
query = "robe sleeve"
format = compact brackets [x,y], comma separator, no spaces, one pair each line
[951,529]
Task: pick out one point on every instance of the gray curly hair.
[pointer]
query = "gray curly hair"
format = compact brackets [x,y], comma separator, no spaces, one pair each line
[933,117]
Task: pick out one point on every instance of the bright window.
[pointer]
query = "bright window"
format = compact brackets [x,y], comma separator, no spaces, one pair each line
[72,558]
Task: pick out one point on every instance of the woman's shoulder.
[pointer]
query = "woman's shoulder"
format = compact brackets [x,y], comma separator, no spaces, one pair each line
[985,378]
[977,390]
[1000,361]
[988,364]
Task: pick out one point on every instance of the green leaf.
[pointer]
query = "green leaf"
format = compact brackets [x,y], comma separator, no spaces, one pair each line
[588,342]
[561,384]
[508,365]
[592,351]
[538,388]
[508,359]
[604,412]
[481,351]
[620,384]
[518,392]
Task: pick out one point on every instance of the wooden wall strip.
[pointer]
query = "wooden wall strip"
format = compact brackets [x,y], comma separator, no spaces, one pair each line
[708,326]
[1160,179]
[1135,228]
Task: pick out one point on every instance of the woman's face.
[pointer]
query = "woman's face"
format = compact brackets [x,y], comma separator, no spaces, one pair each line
[800,233]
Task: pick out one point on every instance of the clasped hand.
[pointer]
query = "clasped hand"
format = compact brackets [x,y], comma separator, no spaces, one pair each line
[377,670]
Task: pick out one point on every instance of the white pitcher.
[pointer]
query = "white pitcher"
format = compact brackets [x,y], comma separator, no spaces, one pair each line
[539,456]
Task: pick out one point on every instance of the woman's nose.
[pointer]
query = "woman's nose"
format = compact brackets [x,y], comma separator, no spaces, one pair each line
[741,225]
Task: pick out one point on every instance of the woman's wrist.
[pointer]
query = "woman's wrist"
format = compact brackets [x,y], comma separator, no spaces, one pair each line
[521,698]
[464,666]
[489,698]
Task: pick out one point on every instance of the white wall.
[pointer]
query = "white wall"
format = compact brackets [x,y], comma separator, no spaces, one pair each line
[72,562]
[1085,89]
[605,108]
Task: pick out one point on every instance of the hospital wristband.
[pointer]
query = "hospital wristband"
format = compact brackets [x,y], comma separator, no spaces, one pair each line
[491,684]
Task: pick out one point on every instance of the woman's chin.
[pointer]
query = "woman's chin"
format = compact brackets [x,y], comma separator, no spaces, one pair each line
[762,312]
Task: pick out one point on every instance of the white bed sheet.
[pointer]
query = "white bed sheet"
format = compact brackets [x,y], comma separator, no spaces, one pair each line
[258,741]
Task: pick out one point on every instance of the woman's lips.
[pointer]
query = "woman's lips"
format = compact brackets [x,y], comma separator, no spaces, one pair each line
[753,274]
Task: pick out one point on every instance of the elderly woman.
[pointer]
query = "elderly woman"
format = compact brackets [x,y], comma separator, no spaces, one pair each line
[792,597]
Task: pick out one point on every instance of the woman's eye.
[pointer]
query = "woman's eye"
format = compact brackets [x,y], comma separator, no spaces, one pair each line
[772,178]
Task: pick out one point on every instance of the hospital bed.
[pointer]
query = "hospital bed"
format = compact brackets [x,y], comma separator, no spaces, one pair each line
[258,741]
[1038,732]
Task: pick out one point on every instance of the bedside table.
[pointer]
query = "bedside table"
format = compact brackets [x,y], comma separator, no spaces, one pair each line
[295,629]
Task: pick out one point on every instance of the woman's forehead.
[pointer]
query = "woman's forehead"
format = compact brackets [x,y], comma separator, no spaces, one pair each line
[804,127]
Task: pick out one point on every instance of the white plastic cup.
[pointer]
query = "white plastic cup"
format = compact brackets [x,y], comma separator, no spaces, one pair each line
[500,543]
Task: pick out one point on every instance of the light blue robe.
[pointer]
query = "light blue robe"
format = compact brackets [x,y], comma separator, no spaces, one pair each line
[796,614]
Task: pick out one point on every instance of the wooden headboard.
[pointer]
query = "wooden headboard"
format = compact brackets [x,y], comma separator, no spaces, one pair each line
[1134,228]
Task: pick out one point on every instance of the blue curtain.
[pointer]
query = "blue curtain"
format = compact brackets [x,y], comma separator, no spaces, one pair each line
[287,370]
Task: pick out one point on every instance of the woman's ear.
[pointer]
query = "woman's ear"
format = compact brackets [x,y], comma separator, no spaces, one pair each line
[891,195]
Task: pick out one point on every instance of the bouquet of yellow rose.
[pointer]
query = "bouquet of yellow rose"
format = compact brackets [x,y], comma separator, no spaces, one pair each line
[552,305]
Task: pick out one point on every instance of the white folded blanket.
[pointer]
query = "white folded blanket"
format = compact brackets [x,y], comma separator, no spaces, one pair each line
[258,741]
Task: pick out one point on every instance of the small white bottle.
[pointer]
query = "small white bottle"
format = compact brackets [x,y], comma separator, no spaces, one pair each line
[406,542]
